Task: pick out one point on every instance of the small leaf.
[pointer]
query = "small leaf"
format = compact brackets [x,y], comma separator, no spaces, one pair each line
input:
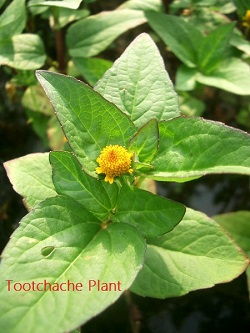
[12,20]
[193,147]
[155,5]
[197,254]
[92,69]
[139,84]
[73,4]
[182,37]
[85,253]
[89,121]
[232,75]
[92,35]
[31,177]
[25,51]
[150,214]
[69,179]
[145,142]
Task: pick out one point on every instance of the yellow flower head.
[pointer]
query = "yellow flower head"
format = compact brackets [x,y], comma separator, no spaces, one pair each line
[246,19]
[114,160]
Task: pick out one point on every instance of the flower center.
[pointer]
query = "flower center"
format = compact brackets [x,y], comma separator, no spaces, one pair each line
[113,161]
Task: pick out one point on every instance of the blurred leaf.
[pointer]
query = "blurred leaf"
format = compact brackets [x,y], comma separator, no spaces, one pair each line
[39,123]
[92,35]
[155,5]
[190,106]
[72,4]
[13,20]
[185,78]
[31,177]
[55,134]
[139,84]
[68,15]
[92,69]
[25,51]
[242,6]
[196,254]
[238,40]
[36,100]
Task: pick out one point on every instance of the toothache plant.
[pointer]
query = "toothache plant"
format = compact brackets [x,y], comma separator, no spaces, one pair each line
[88,217]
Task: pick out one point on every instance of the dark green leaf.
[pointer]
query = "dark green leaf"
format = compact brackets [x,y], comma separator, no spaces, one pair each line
[12,20]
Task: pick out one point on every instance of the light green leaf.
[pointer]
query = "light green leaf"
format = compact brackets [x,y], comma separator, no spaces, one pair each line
[83,252]
[55,134]
[35,99]
[152,215]
[73,4]
[12,20]
[67,15]
[191,106]
[139,84]
[89,121]
[197,254]
[25,51]
[238,225]
[31,177]
[193,147]
[214,47]
[155,5]
[145,142]
[232,75]
[69,179]
[182,37]
[92,35]
[238,40]
[185,78]
[92,69]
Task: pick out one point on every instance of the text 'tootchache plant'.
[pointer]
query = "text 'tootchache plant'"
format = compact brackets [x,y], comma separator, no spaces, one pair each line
[90,221]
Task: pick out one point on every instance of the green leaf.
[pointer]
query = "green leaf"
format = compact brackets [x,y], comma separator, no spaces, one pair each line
[193,147]
[214,47]
[92,35]
[55,134]
[155,5]
[232,75]
[12,20]
[182,37]
[237,224]
[191,106]
[89,121]
[152,215]
[238,40]
[69,179]
[145,142]
[31,177]
[84,252]
[35,99]
[72,4]
[92,69]
[68,15]
[185,78]
[197,254]
[139,84]
[25,51]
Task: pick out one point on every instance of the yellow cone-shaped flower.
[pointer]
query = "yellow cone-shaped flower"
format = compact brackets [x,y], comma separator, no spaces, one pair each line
[114,160]
[246,19]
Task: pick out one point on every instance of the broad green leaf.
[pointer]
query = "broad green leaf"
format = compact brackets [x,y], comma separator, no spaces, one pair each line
[197,254]
[69,179]
[25,51]
[232,75]
[83,252]
[35,99]
[92,35]
[72,4]
[238,225]
[92,69]
[89,121]
[214,47]
[145,142]
[152,215]
[68,15]
[238,40]
[182,37]
[155,5]
[193,147]
[12,20]
[139,84]
[31,177]
[185,78]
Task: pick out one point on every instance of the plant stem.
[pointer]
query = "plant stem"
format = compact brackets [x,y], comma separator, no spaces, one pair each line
[135,315]
[60,51]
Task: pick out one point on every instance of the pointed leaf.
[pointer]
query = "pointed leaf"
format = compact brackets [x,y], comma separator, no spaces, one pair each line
[182,37]
[139,84]
[155,5]
[83,252]
[150,214]
[31,177]
[89,121]
[92,35]
[73,4]
[145,142]
[25,51]
[193,147]
[69,179]
[197,254]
